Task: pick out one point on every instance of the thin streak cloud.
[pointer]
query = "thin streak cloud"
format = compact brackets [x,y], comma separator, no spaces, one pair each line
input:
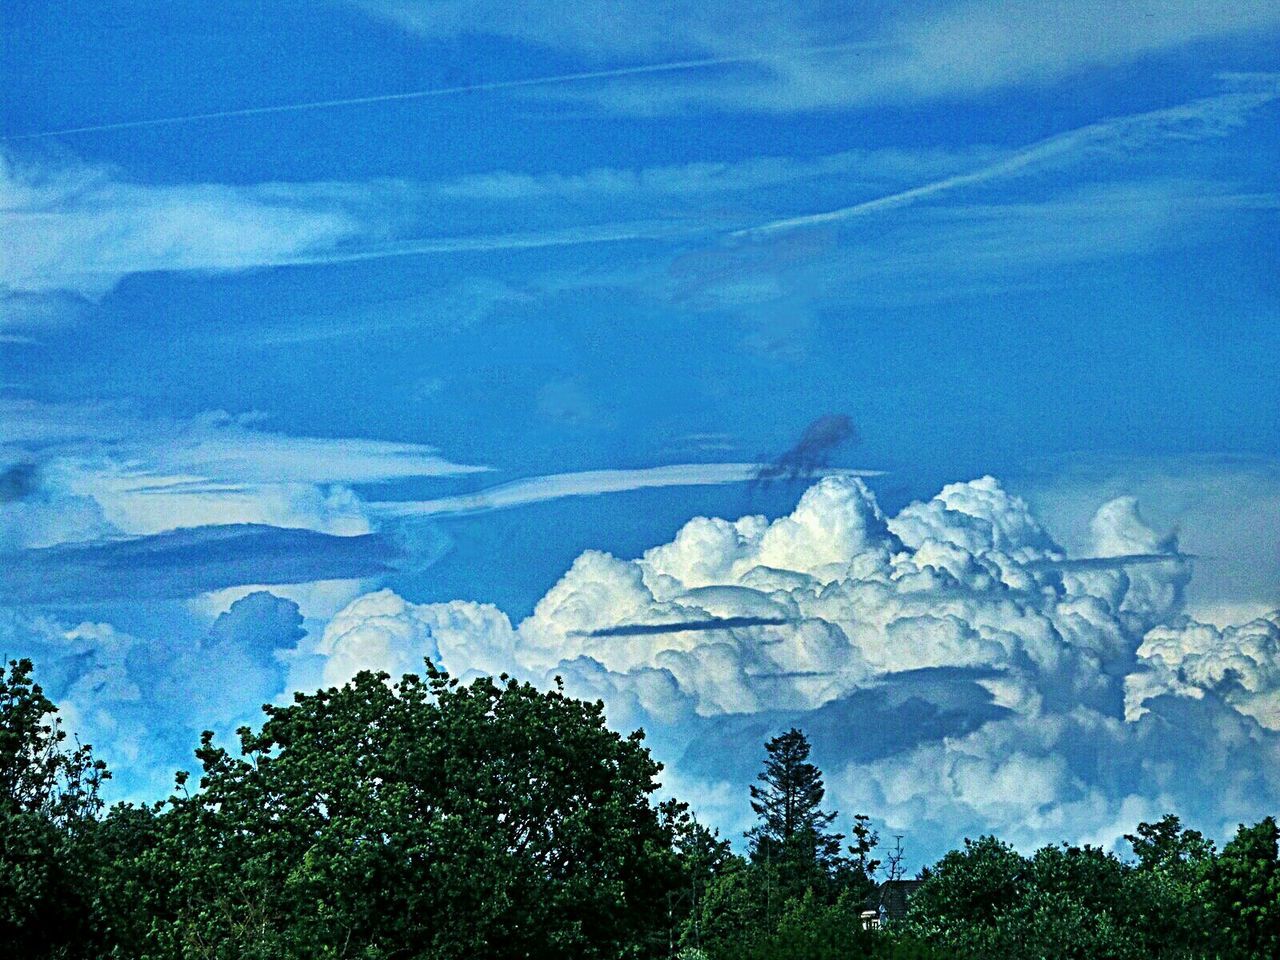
[695,626]
[529,490]
[408,95]
[571,237]
[1111,563]
[1198,119]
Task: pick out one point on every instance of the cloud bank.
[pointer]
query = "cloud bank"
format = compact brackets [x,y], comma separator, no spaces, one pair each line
[958,670]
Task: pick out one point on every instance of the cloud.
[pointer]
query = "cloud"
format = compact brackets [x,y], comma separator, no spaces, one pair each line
[1226,510]
[1207,117]
[958,669]
[187,563]
[106,469]
[1240,664]
[582,484]
[900,54]
[79,229]
[483,86]
[247,648]
[142,702]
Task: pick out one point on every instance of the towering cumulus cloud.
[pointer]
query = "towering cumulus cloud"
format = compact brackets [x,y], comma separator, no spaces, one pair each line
[957,671]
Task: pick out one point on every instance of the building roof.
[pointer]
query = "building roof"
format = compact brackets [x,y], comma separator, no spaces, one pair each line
[893,895]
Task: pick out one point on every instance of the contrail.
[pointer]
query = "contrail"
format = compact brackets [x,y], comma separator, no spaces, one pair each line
[494,85]
[1198,119]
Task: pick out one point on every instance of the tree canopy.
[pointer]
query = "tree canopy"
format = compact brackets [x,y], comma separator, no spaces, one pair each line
[49,795]
[421,818]
[426,819]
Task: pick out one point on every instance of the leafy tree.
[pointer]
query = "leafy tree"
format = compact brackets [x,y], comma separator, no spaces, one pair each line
[48,799]
[1075,903]
[736,911]
[811,929]
[127,881]
[1169,890]
[1070,902]
[965,895]
[1166,845]
[701,856]
[420,819]
[1246,888]
[40,773]
[792,832]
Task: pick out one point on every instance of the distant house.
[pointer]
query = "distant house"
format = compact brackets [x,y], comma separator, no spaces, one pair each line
[889,903]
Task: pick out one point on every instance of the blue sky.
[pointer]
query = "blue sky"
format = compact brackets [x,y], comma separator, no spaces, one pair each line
[287,291]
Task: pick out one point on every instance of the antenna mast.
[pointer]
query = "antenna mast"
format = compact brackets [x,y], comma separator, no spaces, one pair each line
[893,860]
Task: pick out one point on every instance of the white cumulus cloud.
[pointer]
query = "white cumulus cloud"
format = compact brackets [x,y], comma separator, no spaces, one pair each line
[958,669]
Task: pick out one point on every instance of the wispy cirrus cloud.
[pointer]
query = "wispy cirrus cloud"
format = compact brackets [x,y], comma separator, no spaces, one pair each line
[76,230]
[954,49]
[79,229]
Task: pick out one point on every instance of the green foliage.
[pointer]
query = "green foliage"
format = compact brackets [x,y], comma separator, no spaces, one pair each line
[421,819]
[965,896]
[1169,890]
[702,856]
[740,918]
[128,877]
[735,911]
[1245,883]
[39,772]
[48,798]
[429,819]
[1166,846]
[856,873]
[810,929]
[1072,902]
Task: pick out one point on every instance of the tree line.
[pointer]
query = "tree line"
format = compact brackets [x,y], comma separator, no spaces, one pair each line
[427,818]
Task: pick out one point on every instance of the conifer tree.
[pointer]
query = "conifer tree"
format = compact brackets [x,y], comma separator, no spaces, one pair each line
[793,827]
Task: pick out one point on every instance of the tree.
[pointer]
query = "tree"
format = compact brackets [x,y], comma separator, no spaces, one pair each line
[1169,891]
[856,873]
[39,772]
[792,832]
[1165,845]
[965,895]
[1246,888]
[733,914]
[417,819]
[48,799]
[810,929]
[1064,902]
[701,856]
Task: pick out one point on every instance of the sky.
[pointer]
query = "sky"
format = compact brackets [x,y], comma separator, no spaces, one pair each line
[900,372]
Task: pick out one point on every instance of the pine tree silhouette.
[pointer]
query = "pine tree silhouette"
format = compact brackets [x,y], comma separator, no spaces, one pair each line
[793,826]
